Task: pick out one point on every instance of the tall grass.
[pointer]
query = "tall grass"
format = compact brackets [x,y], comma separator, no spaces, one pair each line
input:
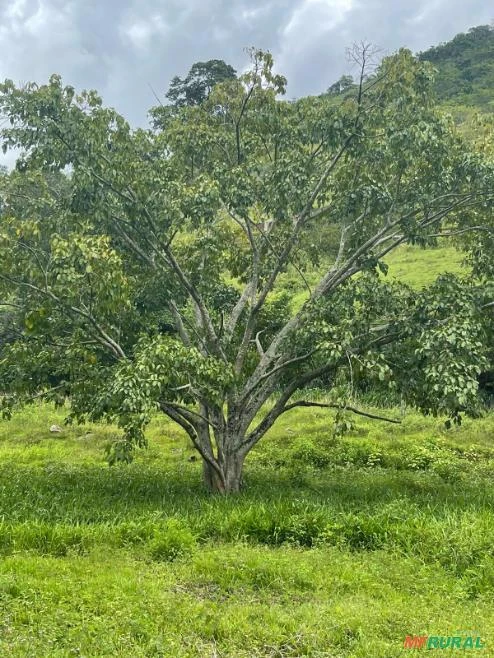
[335,547]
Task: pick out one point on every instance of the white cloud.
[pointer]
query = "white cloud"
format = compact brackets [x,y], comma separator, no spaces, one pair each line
[313,17]
[140,32]
[16,9]
[425,13]
[253,14]
[314,31]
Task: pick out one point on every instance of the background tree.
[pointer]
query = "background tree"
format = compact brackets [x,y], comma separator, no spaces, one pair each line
[192,226]
[340,86]
[194,89]
[199,82]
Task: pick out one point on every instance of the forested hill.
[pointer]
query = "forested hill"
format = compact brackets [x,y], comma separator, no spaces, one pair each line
[466,68]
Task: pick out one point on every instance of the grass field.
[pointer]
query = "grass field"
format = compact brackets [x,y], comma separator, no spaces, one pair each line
[418,267]
[336,548]
[410,264]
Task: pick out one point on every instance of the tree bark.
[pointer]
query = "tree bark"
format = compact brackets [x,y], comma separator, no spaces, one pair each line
[230,481]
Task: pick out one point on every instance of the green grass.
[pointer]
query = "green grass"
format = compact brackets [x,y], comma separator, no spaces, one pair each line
[420,267]
[336,548]
[237,601]
[409,264]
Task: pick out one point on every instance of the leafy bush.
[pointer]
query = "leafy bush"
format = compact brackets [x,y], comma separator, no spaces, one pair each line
[174,541]
[132,533]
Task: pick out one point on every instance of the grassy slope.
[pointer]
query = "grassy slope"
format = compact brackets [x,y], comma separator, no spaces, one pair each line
[334,549]
[420,267]
[413,265]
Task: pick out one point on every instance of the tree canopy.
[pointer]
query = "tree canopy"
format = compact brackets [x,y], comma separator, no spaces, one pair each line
[144,268]
[192,90]
[340,86]
[199,82]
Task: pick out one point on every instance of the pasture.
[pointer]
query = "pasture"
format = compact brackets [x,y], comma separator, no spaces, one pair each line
[335,548]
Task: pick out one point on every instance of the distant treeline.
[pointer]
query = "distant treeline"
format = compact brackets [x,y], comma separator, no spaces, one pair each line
[466,67]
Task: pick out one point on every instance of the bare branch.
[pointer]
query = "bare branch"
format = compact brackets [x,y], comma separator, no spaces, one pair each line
[278,368]
[238,310]
[258,343]
[340,407]
[188,413]
[180,325]
[445,234]
[11,304]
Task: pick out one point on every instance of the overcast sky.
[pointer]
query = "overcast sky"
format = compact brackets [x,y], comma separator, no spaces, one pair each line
[124,47]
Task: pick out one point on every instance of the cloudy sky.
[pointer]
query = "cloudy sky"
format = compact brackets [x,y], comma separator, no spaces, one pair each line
[122,48]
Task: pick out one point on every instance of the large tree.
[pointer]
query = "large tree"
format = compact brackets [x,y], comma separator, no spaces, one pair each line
[152,275]
[199,82]
[192,90]
[342,85]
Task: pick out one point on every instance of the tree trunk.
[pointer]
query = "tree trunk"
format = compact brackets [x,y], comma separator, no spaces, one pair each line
[230,480]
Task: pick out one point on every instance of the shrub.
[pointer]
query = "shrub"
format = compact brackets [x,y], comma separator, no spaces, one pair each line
[174,541]
[306,451]
[131,533]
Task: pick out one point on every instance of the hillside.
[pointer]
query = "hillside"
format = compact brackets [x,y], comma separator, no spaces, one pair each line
[465,68]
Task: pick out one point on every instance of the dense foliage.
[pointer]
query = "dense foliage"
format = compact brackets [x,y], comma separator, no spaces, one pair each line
[465,68]
[199,82]
[143,268]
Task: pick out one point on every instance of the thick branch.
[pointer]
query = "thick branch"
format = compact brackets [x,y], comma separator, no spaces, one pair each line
[335,277]
[180,325]
[298,222]
[178,417]
[282,366]
[270,418]
[188,414]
